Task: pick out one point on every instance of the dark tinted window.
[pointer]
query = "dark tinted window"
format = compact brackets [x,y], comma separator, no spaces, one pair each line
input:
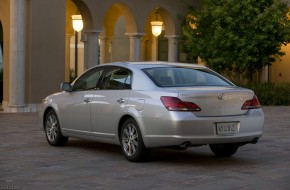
[116,78]
[88,80]
[182,77]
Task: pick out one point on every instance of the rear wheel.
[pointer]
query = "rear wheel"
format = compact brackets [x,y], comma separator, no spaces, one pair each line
[132,144]
[223,150]
[52,130]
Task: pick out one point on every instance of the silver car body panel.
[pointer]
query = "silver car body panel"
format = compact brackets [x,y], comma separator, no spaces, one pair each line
[96,114]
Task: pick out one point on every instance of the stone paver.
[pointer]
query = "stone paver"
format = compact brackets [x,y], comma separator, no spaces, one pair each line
[28,162]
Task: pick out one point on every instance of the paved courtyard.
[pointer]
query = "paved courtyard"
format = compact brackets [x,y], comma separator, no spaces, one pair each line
[28,162]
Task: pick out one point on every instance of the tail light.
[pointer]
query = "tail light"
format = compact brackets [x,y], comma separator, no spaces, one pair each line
[251,104]
[175,104]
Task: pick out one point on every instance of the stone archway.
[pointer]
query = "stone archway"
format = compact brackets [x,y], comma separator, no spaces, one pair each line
[85,12]
[170,34]
[79,56]
[165,46]
[120,40]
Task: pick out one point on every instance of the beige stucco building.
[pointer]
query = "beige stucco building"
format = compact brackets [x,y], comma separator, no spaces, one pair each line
[280,71]
[39,50]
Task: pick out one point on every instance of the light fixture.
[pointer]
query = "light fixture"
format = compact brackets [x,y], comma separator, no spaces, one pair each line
[78,25]
[77,22]
[156,26]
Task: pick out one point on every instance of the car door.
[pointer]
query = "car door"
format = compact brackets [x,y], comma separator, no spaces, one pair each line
[110,100]
[75,112]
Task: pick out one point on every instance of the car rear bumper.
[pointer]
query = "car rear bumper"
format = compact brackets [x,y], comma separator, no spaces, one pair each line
[164,141]
[183,127]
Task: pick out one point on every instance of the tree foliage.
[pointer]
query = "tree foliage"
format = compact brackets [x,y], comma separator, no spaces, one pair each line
[237,36]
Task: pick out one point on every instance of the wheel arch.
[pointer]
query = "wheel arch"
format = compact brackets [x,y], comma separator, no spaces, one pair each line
[123,119]
[45,113]
[121,122]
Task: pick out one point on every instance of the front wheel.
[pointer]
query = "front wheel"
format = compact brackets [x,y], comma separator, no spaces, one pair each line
[132,144]
[52,130]
[223,150]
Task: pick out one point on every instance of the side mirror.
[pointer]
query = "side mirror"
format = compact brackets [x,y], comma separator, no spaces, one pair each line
[65,86]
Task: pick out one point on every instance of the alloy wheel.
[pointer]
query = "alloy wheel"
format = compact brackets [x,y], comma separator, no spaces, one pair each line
[132,143]
[51,127]
[52,130]
[130,139]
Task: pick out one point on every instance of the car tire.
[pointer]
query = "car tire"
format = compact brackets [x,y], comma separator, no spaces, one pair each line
[131,141]
[52,130]
[223,150]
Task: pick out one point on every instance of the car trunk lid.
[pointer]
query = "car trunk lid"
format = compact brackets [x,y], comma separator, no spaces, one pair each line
[216,101]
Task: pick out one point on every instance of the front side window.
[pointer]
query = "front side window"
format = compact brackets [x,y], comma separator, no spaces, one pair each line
[89,80]
[183,77]
[117,78]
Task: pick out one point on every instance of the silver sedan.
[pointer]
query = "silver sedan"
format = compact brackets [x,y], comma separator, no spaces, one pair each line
[142,105]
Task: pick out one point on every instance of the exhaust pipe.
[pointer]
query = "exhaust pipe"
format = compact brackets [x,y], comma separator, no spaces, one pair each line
[255,140]
[185,145]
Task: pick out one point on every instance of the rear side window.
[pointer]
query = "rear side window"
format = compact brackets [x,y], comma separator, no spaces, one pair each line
[116,78]
[183,77]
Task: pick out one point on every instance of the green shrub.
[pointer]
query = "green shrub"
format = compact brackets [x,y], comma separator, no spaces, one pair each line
[271,94]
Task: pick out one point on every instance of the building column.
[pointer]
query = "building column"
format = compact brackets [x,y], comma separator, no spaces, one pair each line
[102,49]
[154,48]
[264,74]
[172,48]
[135,47]
[143,49]
[91,48]
[17,56]
[67,57]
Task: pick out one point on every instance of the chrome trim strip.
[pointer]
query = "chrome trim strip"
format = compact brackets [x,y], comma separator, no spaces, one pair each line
[88,133]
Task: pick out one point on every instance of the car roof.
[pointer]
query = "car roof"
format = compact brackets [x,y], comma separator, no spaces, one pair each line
[152,64]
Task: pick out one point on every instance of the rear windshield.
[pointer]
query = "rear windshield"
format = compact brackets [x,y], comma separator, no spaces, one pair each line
[182,77]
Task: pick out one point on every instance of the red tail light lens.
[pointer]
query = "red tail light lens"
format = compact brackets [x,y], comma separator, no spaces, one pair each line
[251,104]
[175,104]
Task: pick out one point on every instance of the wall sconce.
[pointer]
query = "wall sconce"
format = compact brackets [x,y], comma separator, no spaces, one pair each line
[156,26]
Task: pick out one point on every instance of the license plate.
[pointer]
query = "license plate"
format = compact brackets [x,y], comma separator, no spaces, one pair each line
[228,128]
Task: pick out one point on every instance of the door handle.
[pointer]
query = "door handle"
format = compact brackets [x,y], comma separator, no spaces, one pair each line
[121,100]
[87,100]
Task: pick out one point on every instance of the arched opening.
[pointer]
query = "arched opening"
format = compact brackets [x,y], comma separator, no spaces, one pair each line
[160,48]
[74,64]
[119,40]
[81,47]
[1,64]
[151,41]
[119,24]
